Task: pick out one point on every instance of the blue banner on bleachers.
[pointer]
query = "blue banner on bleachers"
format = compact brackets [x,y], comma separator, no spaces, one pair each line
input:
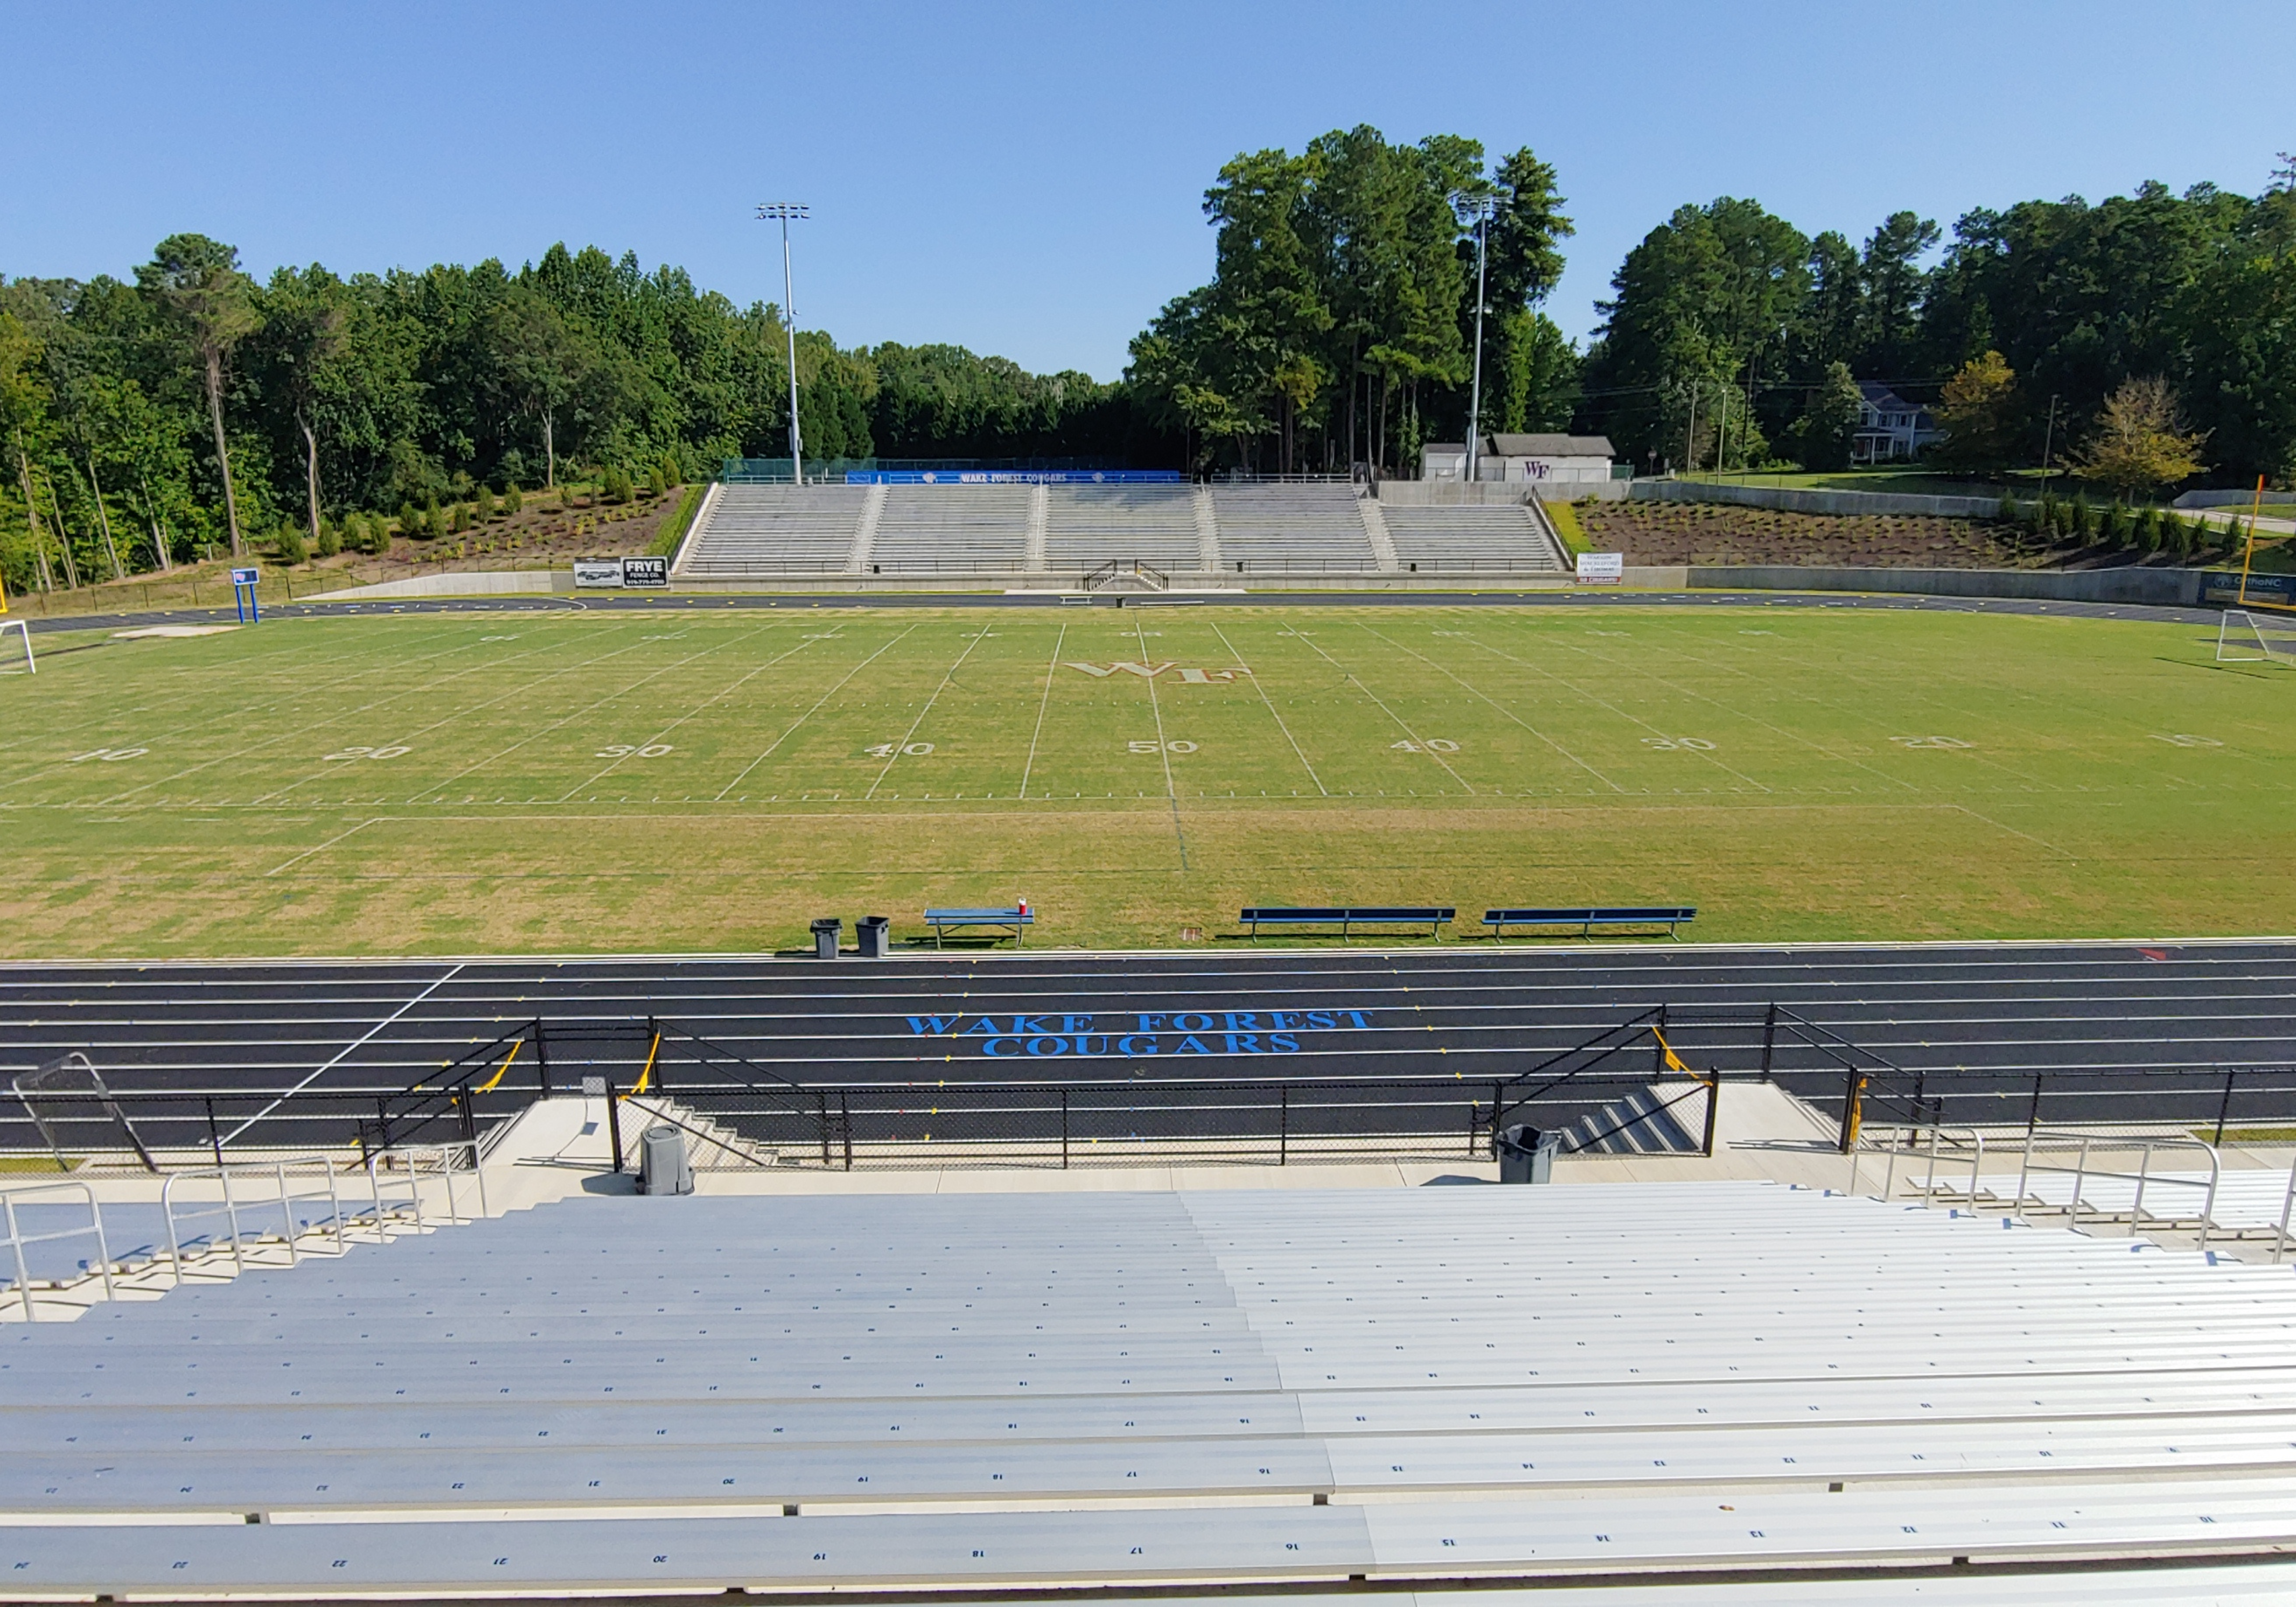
[1011,477]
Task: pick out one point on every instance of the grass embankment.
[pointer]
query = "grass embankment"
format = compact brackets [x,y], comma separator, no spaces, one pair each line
[496,781]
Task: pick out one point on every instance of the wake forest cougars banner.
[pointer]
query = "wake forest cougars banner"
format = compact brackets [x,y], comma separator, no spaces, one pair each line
[1133,1034]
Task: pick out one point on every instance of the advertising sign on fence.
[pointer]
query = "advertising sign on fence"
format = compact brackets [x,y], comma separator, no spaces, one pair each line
[1606,568]
[598,571]
[2266,591]
[1011,477]
[646,572]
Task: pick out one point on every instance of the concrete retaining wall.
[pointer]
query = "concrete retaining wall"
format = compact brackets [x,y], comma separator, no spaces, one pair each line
[1814,502]
[2155,588]
[467,583]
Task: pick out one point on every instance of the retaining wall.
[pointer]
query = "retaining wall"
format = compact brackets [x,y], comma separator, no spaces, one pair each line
[1814,502]
[465,583]
[2147,587]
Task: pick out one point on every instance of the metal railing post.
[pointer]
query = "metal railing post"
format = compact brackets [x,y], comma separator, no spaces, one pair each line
[1852,1100]
[214,1133]
[2080,1171]
[1713,1110]
[2136,1206]
[542,1057]
[1064,1130]
[2224,1106]
[845,1121]
[614,1124]
[1769,1037]
[23,1271]
[1283,1124]
[2287,1204]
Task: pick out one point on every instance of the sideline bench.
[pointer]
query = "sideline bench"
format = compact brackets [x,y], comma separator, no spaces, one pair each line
[1670,916]
[1432,917]
[949,919]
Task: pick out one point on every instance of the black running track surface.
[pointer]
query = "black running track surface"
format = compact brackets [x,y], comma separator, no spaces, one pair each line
[687,602]
[2157,1023]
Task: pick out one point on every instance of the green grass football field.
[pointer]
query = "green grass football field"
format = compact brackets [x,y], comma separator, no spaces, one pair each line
[698,779]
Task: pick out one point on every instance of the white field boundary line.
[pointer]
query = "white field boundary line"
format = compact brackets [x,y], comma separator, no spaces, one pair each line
[908,736]
[1511,715]
[410,737]
[1029,767]
[345,1053]
[716,956]
[1262,688]
[1610,708]
[257,661]
[1736,713]
[429,689]
[723,692]
[817,702]
[1401,724]
[242,711]
[1163,749]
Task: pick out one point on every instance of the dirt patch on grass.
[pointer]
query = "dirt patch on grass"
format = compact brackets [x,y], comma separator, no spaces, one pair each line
[1690,532]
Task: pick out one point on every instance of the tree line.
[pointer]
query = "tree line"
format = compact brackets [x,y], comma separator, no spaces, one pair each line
[188,410]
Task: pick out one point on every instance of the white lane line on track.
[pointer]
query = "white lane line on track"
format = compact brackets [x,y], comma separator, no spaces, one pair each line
[345,1054]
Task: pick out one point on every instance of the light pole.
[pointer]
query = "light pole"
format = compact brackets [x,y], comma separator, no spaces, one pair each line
[1482,204]
[783,211]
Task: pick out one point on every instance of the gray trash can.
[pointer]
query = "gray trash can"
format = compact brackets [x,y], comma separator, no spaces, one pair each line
[876,935]
[662,1166]
[824,936]
[1527,1155]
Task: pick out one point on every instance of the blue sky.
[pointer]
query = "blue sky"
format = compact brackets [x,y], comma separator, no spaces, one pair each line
[1025,179]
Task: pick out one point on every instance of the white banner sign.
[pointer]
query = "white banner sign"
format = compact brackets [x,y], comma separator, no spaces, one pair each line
[598,571]
[1608,568]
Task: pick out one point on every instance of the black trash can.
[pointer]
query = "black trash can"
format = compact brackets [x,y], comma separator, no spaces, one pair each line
[876,935]
[824,936]
[1527,1155]
[663,1167]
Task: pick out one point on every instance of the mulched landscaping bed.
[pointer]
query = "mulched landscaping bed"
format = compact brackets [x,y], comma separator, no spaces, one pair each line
[1677,532]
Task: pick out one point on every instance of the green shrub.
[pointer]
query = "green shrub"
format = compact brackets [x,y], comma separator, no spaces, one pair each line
[657,482]
[482,503]
[330,539]
[2112,525]
[290,543]
[512,501]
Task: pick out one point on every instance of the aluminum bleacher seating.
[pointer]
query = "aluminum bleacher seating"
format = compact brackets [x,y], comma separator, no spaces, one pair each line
[1292,529]
[953,529]
[762,531]
[1499,539]
[994,1391]
[1087,526]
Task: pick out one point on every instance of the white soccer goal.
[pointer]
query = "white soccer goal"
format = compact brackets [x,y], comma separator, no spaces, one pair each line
[25,631]
[2247,638]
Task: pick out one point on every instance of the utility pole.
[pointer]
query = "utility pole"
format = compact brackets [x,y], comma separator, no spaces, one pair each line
[1690,436]
[1475,396]
[785,210]
[2048,443]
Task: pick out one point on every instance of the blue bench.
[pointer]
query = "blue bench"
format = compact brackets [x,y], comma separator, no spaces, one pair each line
[1670,915]
[949,919]
[1346,919]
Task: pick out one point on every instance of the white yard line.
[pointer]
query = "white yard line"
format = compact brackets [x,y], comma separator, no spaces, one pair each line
[1163,751]
[1400,723]
[808,714]
[324,847]
[346,1052]
[909,735]
[1042,703]
[723,692]
[1475,692]
[1261,687]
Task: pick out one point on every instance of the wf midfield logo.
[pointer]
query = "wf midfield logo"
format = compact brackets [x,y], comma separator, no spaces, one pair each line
[1149,672]
[1144,1033]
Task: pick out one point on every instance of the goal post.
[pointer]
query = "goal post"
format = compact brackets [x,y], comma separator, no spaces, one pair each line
[2248,638]
[24,631]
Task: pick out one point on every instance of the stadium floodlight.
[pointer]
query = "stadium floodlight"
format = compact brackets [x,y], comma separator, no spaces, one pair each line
[783,211]
[1482,206]
[25,631]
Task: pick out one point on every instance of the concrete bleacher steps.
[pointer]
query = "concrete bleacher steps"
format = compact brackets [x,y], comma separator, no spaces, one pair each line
[1087,526]
[972,1391]
[1292,529]
[954,530]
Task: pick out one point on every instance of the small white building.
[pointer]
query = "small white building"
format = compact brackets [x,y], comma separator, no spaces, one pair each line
[1535,460]
[1890,427]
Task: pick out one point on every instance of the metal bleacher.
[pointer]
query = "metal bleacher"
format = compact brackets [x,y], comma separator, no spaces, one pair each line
[1500,538]
[953,529]
[755,532]
[1286,529]
[972,1392]
[1087,526]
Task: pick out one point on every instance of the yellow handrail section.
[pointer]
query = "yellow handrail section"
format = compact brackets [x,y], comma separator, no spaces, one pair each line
[488,1086]
[646,1076]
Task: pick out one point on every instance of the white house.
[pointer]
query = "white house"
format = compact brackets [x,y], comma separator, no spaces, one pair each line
[1538,460]
[1890,427]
